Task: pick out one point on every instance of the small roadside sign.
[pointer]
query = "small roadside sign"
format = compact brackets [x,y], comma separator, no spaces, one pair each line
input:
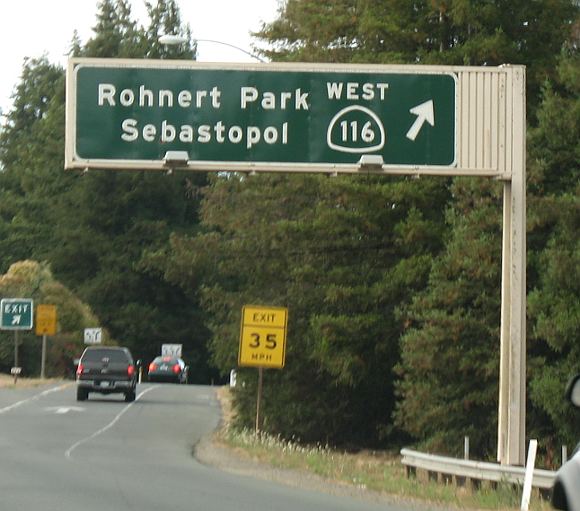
[263,336]
[16,313]
[171,350]
[93,335]
[45,319]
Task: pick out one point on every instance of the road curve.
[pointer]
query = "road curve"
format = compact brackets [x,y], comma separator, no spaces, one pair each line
[105,454]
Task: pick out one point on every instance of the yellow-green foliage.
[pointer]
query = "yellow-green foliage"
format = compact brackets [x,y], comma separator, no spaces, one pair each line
[31,279]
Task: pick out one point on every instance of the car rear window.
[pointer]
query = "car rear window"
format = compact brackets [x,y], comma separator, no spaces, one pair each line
[100,354]
[165,360]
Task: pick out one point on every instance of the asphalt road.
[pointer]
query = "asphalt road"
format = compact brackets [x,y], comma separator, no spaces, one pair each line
[104,454]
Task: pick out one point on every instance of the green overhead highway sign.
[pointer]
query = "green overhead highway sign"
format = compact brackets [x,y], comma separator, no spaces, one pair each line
[16,314]
[139,114]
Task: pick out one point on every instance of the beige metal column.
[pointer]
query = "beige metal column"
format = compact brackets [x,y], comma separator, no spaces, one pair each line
[512,395]
[504,365]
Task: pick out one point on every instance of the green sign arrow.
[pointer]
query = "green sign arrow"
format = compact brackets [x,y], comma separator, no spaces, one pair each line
[139,110]
[16,313]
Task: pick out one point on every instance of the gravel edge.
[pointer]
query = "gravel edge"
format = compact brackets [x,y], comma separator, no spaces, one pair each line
[212,451]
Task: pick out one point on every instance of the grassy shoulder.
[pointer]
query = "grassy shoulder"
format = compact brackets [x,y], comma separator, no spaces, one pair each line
[374,471]
[7,381]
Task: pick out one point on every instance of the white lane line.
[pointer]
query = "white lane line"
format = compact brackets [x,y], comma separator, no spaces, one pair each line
[33,398]
[68,453]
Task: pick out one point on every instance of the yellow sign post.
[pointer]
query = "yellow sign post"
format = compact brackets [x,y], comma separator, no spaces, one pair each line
[262,342]
[263,336]
[45,324]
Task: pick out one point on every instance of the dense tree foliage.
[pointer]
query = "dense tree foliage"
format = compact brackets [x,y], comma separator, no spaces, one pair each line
[447,376]
[33,280]
[458,32]
[449,371]
[93,227]
[455,321]
[342,254]
[554,224]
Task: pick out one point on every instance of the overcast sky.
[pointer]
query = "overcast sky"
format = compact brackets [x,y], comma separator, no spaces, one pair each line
[31,28]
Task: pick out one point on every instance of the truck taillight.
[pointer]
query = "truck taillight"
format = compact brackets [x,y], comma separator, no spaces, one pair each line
[80,369]
[131,370]
[152,367]
[176,369]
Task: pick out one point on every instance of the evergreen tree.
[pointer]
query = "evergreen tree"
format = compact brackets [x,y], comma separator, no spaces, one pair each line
[449,366]
[554,222]
[31,148]
[342,255]
[165,19]
[452,327]
[116,33]
[453,32]
[311,31]
[119,214]
[450,356]
[93,228]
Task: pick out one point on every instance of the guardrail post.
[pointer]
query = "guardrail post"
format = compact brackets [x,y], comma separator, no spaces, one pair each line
[475,484]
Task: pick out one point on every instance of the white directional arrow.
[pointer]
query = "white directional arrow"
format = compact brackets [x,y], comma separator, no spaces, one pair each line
[16,319]
[61,410]
[424,112]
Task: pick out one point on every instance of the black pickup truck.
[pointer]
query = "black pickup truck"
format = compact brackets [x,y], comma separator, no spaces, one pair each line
[106,370]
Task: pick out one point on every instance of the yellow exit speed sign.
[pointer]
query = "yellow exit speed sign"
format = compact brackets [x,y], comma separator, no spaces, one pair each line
[45,320]
[263,336]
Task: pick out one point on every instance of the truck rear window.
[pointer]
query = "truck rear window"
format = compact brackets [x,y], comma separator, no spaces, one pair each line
[100,354]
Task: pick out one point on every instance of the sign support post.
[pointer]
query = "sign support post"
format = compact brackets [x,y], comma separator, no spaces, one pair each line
[45,325]
[262,344]
[16,342]
[259,400]
[43,358]
[512,394]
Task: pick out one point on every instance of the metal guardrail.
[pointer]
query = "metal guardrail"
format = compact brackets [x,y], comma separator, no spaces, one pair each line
[475,470]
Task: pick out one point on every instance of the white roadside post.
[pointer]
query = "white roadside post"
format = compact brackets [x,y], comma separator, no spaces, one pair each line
[526,494]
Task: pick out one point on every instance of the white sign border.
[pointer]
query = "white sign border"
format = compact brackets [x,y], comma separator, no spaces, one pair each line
[30,301]
[74,162]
